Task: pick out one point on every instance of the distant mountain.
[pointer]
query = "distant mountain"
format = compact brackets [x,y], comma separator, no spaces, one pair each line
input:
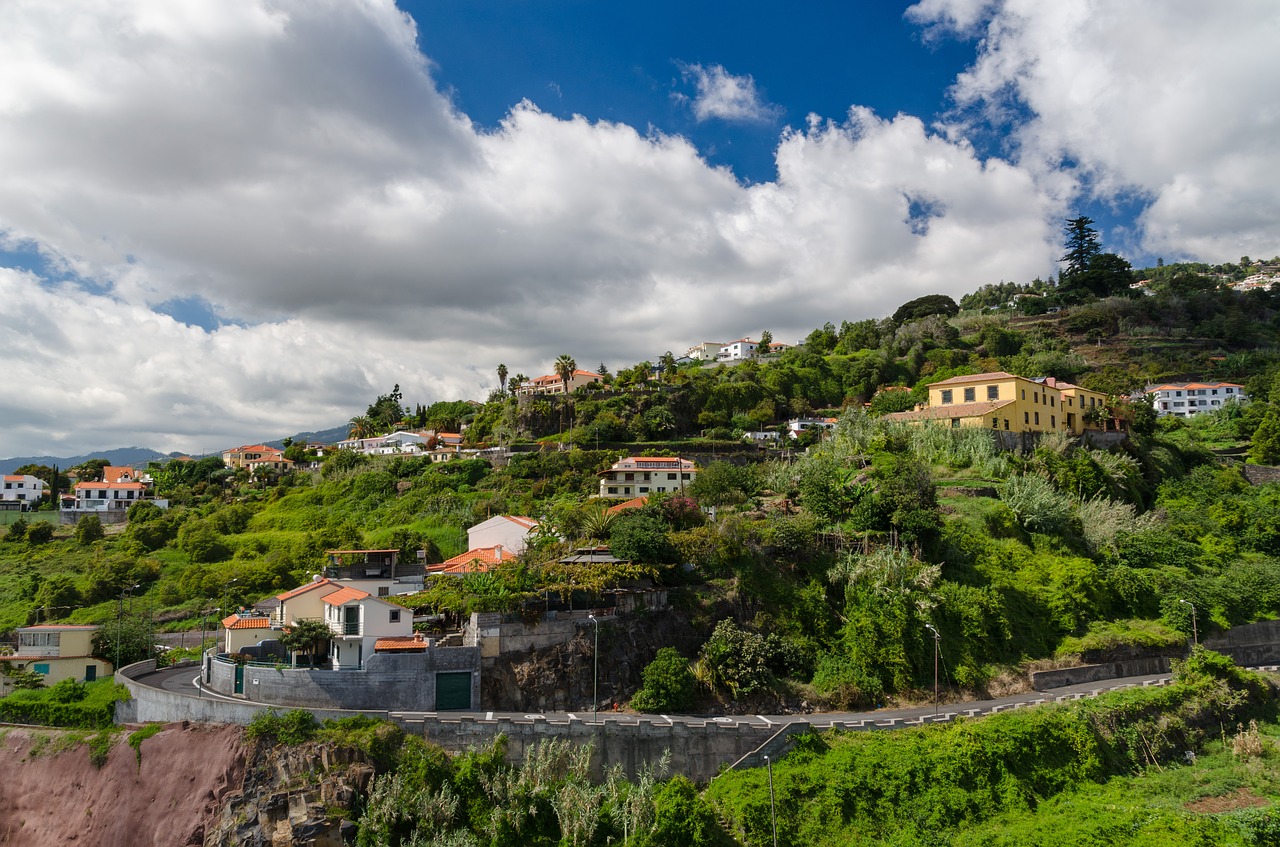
[118,456]
[142,455]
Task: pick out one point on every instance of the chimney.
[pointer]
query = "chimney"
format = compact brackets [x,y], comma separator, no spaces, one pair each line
[497,553]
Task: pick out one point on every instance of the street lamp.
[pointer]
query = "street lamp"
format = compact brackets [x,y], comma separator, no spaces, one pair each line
[773,806]
[119,617]
[595,675]
[1195,629]
[937,649]
[204,621]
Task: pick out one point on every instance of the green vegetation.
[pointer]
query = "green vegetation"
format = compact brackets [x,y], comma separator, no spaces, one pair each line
[72,704]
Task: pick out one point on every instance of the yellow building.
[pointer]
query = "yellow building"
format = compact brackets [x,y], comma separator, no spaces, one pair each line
[1008,403]
[56,651]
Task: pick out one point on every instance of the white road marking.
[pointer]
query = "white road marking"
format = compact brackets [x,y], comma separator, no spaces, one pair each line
[488,716]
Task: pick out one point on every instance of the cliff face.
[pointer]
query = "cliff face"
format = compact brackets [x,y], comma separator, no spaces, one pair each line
[167,798]
[196,784]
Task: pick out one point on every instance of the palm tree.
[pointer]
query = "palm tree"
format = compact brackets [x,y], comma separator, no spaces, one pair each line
[565,367]
[361,426]
[502,378]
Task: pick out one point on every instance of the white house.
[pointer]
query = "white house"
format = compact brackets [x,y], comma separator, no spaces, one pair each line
[795,426]
[511,532]
[356,621]
[1185,399]
[735,351]
[29,489]
[706,351]
[639,476]
[96,497]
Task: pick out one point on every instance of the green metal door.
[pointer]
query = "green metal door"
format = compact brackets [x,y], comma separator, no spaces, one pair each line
[90,673]
[453,690]
[239,679]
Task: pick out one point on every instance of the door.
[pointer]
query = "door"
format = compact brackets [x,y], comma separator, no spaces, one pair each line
[239,679]
[90,673]
[453,690]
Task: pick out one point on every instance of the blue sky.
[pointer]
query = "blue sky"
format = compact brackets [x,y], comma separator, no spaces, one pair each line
[228,220]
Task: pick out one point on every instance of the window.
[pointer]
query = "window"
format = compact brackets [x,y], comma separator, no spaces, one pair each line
[970,394]
[629,477]
[1006,423]
[1024,394]
[955,423]
[993,392]
[41,667]
[684,476]
[1053,401]
[671,476]
[393,616]
[613,489]
[1053,421]
[1037,419]
[1035,396]
[644,489]
[995,423]
[1026,418]
[946,396]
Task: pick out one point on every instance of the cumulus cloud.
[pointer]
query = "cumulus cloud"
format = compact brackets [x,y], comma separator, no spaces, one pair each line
[1169,101]
[721,95]
[291,169]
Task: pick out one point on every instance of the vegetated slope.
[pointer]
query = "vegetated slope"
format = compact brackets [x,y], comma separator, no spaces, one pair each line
[166,794]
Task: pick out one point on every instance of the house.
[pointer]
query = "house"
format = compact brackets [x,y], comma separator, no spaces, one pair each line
[628,505]
[123,473]
[795,426]
[357,620]
[1185,399]
[100,497]
[23,488]
[639,476]
[706,351]
[378,572]
[510,531]
[246,629]
[275,463]
[57,652]
[1008,403]
[239,457]
[475,560]
[762,436]
[553,384]
[736,351]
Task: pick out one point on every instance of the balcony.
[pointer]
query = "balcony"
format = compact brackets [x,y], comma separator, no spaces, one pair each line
[346,629]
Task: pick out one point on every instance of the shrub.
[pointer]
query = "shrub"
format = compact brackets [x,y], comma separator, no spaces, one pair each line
[669,684]
[293,727]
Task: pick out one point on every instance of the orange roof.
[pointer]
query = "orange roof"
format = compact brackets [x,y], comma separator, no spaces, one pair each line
[258,448]
[246,622]
[954,410]
[59,627]
[303,589]
[634,503]
[112,473]
[400,644]
[112,486]
[527,523]
[485,557]
[344,595]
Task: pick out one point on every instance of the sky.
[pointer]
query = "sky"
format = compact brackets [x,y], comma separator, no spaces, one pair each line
[224,221]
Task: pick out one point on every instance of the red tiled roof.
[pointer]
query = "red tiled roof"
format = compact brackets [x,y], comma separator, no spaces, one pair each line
[400,644]
[527,523]
[955,380]
[59,627]
[111,486]
[954,410]
[344,595]
[633,503]
[247,622]
[484,557]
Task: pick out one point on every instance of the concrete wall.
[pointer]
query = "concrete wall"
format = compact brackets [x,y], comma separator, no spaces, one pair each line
[1042,680]
[1249,645]
[402,681]
[696,750]
[1261,474]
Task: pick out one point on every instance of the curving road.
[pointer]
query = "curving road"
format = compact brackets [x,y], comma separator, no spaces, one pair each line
[184,681]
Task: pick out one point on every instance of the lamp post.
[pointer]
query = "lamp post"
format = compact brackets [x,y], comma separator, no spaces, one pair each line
[1195,628]
[937,649]
[119,617]
[595,675]
[773,806]
[204,624]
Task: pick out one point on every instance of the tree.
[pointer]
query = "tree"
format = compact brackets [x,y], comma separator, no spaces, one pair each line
[40,532]
[923,307]
[766,340]
[1082,245]
[668,365]
[361,426]
[307,636]
[386,411]
[668,684]
[91,470]
[502,377]
[564,368]
[1266,440]
[89,529]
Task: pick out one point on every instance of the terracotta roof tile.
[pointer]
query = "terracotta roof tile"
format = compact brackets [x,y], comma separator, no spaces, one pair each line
[954,410]
[956,380]
[344,595]
[400,644]
[246,622]
[303,589]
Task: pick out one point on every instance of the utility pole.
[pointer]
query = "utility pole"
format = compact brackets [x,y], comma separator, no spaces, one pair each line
[595,675]
[1195,629]
[773,806]
[937,649]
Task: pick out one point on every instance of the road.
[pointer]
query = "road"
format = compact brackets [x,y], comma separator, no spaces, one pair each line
[183,681]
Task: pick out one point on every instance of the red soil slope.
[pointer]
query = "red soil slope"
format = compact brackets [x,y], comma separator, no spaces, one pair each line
[168,799]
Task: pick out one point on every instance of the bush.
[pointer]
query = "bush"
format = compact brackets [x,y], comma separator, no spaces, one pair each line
[68,704]
[89,529]
[294,727]
[669,684]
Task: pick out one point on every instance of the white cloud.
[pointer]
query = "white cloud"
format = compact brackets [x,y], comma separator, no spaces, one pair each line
[719,94]
[1170,100]
[294,165]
